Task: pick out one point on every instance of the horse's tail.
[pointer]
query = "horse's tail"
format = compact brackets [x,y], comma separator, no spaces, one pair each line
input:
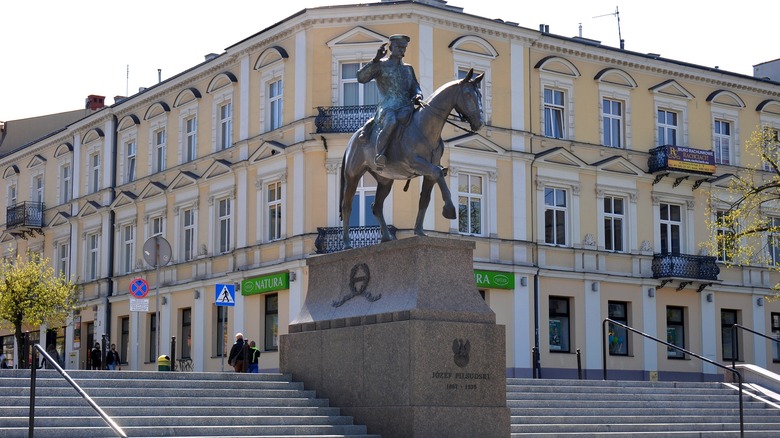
[341,190]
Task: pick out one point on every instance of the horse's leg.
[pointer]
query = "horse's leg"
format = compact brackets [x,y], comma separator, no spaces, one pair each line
[383,187]
[429,170]
[350,187]
[425,200]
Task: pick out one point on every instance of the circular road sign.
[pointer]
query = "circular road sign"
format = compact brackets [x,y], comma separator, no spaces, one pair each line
[139,288]
[157,251]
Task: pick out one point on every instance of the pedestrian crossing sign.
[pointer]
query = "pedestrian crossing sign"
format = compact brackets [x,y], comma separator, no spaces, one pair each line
[225,295]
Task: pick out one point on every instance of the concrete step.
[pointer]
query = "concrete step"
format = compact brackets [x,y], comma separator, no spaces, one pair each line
[197,431]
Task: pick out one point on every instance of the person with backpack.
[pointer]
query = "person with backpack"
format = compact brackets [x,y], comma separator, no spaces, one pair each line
[254,358]
[237,354]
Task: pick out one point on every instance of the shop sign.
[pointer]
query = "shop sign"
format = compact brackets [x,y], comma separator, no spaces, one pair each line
[494,279]
[266,283]
[691,160]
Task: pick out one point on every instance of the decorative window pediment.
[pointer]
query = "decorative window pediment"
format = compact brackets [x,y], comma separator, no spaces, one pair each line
[152,189]
[620,165]
[723,181]
[358,37]
[186,96]
[220,81]
[10,171]
[37,160]
[60,218]
[560,156]
[127,122]
[727,98]
[63,149]
[270,56]
[267,150]
[89,208]
[156,109]
[92,135]
[615,76]
[183,179]
[217,168]
[769,106]
[124,198]
[672,88]
[475,142]
[558,65]
[474,45]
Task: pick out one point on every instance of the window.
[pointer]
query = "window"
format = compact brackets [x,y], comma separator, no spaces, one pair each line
[190,139]
[722,137]
[728,318]
[225,125]
[221,331]
[614,218]
[724,237]
[354,93]
[618,336]
[186,333]
[12,197]
[224,225]
[470,203]
[63,259]
[66,178]
[130,151]
[274,191]
[769,149]
[94,173]
[93,241]
[559,325]
[275,104]
[152,337]
[773,241]
[775,321]
[272,322]
[555,216]
[124,338]
[158,150]
[188,239]
[675,331]
[553,113]
[671,223]
[361,214]
[612,119]
[37,187]
[128,248]
[667,128]
[158,226]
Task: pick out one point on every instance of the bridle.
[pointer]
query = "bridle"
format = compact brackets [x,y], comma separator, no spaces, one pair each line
[449,117]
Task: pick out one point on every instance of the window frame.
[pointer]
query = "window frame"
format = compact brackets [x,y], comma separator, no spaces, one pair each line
[612,119]
[92,265]
[274,210]
[726,332]
[664,128]
[271,322]
[611,217]
[158,149]
[62,257]
[66,182]
[363,90]
[680,324]
[189,234]
[127,248]
[554,209]
[550,109]
[131,160]
[93,180]
[724,254]
[224,136]
[189,145]
[274,103]
[667,245]
[718,140]
[224,225]
[470,196]
[563,327]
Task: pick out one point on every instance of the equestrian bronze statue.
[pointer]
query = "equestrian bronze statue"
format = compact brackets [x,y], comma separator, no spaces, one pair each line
[414,149]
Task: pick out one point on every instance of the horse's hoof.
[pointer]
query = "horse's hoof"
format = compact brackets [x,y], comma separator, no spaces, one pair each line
[449,212]
[347,246]
[388,239]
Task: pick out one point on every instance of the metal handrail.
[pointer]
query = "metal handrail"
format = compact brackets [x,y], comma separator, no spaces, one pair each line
[75,386]
[604,342]
[735,341]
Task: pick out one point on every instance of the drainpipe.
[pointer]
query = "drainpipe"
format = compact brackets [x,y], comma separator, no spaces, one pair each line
[536,360]
[111,223]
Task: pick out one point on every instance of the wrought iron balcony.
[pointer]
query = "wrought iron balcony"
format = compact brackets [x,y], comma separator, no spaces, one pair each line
[678,159]
[329,238]
[24,218]
[333,119]
[685,266]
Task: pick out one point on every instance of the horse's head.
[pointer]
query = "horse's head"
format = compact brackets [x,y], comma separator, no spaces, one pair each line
[469,103]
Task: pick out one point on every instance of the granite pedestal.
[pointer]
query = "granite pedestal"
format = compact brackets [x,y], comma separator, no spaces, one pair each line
[398,336]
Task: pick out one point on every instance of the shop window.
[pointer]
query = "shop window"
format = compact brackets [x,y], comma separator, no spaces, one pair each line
[152,337]
[272,322]
[559,325]
[186,333]
[675,331]
[775,319]
[618,336]
[728,318]
[124,338]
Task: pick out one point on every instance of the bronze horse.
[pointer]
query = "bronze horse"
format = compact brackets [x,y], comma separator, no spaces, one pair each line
[416,151]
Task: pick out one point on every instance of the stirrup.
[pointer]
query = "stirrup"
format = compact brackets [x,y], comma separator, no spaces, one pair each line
[380,160]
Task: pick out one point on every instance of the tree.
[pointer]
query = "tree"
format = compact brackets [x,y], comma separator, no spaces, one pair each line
[31,295]
[745,222]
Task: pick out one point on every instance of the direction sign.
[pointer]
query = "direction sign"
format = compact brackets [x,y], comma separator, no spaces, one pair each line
[139,288]
[225,295]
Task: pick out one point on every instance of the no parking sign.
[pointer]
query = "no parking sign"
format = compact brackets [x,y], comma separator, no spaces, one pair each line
[139,288]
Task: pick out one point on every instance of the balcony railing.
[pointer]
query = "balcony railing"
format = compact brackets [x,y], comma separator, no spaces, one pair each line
[693,267]
[333,119]
[24,217]
[329,238]
[670,158]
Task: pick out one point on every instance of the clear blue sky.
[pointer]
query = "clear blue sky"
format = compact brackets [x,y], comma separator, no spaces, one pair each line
[55,53]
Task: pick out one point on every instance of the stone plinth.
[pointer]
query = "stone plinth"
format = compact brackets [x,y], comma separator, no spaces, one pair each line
[398,336]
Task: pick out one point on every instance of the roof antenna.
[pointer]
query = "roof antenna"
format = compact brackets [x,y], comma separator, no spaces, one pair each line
[617,15]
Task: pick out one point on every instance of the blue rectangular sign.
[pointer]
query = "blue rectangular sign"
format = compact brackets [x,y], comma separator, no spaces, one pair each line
[225,295]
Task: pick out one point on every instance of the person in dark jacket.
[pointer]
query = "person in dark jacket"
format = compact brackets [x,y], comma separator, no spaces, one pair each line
[51,351]
[236,357]
[112,359]
[254,358]
[95,357]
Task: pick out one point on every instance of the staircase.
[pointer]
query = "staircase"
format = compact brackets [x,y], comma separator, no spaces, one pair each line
[596,408]
[169,404]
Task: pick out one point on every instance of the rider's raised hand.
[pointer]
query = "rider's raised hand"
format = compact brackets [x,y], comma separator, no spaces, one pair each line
[380,53]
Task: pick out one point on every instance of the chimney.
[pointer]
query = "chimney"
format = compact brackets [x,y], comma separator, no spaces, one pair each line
[95,102]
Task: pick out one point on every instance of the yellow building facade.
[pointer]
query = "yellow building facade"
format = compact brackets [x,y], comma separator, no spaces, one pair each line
[577,211]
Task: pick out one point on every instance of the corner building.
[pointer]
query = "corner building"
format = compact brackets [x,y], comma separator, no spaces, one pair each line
[576,209]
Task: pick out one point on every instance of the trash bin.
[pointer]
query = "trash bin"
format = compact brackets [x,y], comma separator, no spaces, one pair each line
[163,363]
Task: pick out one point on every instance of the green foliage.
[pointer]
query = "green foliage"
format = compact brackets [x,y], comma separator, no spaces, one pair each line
[745,220]
[31,294]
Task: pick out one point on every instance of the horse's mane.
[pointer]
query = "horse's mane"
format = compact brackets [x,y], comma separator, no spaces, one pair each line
[440,90]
